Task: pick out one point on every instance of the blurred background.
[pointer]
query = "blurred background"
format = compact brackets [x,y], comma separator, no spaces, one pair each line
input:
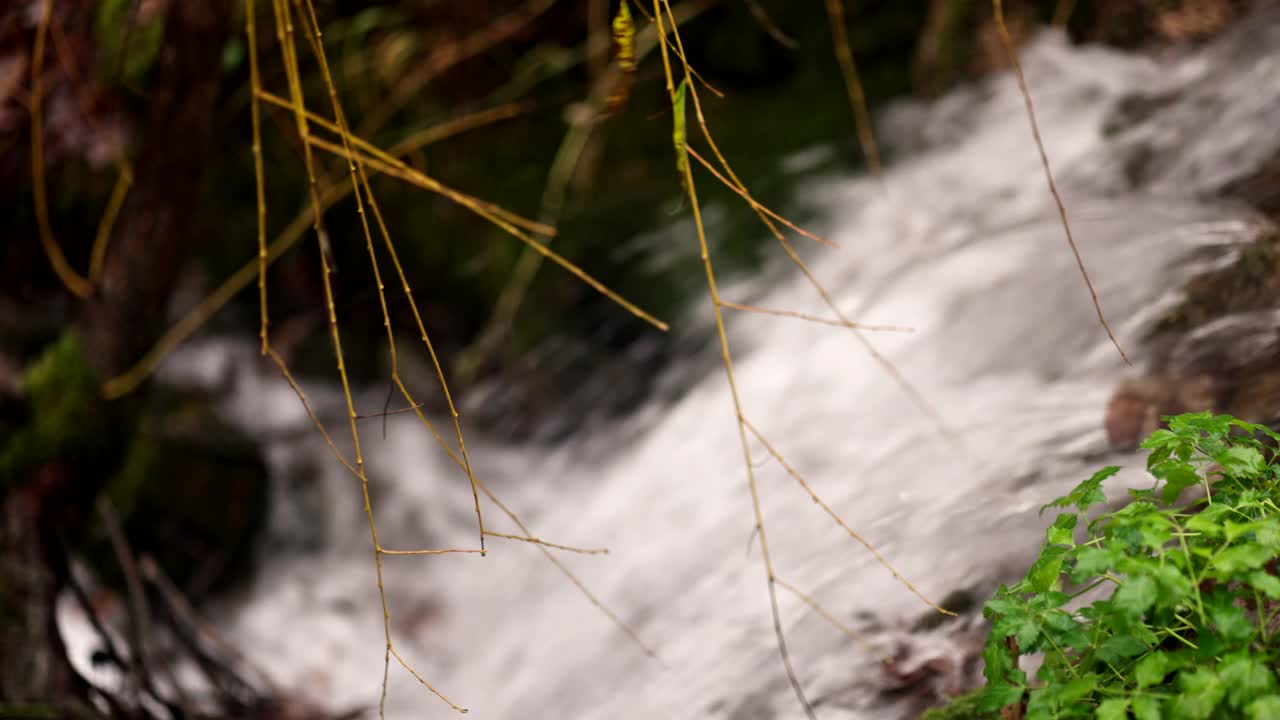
[180,541]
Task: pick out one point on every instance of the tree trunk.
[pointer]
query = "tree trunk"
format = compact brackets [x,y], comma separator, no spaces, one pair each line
[48,487]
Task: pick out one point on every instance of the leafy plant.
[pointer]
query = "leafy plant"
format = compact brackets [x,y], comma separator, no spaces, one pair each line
[1190,627]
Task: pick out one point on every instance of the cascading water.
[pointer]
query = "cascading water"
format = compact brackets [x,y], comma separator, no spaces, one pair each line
[961,242]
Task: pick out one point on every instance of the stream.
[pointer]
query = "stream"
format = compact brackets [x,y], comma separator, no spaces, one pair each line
[959,241]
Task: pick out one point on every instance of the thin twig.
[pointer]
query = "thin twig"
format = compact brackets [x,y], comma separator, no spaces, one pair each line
[1007,40]
[539,541]
[816,319]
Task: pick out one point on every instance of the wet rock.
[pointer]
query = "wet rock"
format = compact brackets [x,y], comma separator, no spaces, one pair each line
[1229,345]
[930,668]
[1137,405]
[1257,398]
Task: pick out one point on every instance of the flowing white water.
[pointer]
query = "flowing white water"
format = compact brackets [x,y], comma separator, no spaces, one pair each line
[962,243]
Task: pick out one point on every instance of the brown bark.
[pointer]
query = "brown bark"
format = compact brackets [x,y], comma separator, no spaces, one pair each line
[153,235]
[46,511]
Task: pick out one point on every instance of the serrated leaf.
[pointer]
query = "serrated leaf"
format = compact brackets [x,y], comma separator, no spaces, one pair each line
[1231,623]
[1265,532]
[1241,462]
[1202,690]
[1246,680]
[1206,523]
[1267,708]
[999,695]
[1094,561]
[1146,707]
[1077,689]
[1113,709]
[1086,493]
[1135,595]
[1160,440]
[1152,669]
[1047,569]
[998,660]
[1118,648]
[1062,531]
[1248,556]
[1174,586]
[1266,583]
[1177,476]
[1065,630]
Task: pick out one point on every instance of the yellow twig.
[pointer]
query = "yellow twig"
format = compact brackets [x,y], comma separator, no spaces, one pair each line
[124,178]
[849,632]
[255,83]
[388,163]
[284,30]
[446,551]
[840,521]
[542,547]
[725,355]
[759,208]
[74,282]
[129,380]
[557,546]
[124,170]
[853,85]
[815,319]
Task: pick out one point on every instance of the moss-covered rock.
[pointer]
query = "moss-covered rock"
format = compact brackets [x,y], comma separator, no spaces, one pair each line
[65,419]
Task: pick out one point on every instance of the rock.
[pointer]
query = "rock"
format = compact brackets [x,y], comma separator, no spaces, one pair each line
[1231,345]
[1137,405]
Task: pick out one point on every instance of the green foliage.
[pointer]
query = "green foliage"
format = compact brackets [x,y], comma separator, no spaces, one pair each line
[62,393]
[964,707]
[128,41]
[1189,630]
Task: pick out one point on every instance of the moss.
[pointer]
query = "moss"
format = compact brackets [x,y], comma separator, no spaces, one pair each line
[65,420]
[1249,283]
[128,41]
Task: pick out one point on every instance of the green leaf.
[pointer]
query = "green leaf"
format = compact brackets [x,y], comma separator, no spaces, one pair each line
[1152,669]
[1135,595]
[997,660]
[1146,707]
[1045,572]
[1202,690]
[1086,493]
[679,136]
[1209,523]
[1267,708]
[1265,532]
[1062,531]
[1119,648]
[1065,630]
[1242,462]
[1095,561]
[1077,689]
[1246,679]
[1001,694]
[1248,556]
[1177,477]
[1113,709]
[1174,586]
[1266,583]
[1231,623]
[1160,441]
